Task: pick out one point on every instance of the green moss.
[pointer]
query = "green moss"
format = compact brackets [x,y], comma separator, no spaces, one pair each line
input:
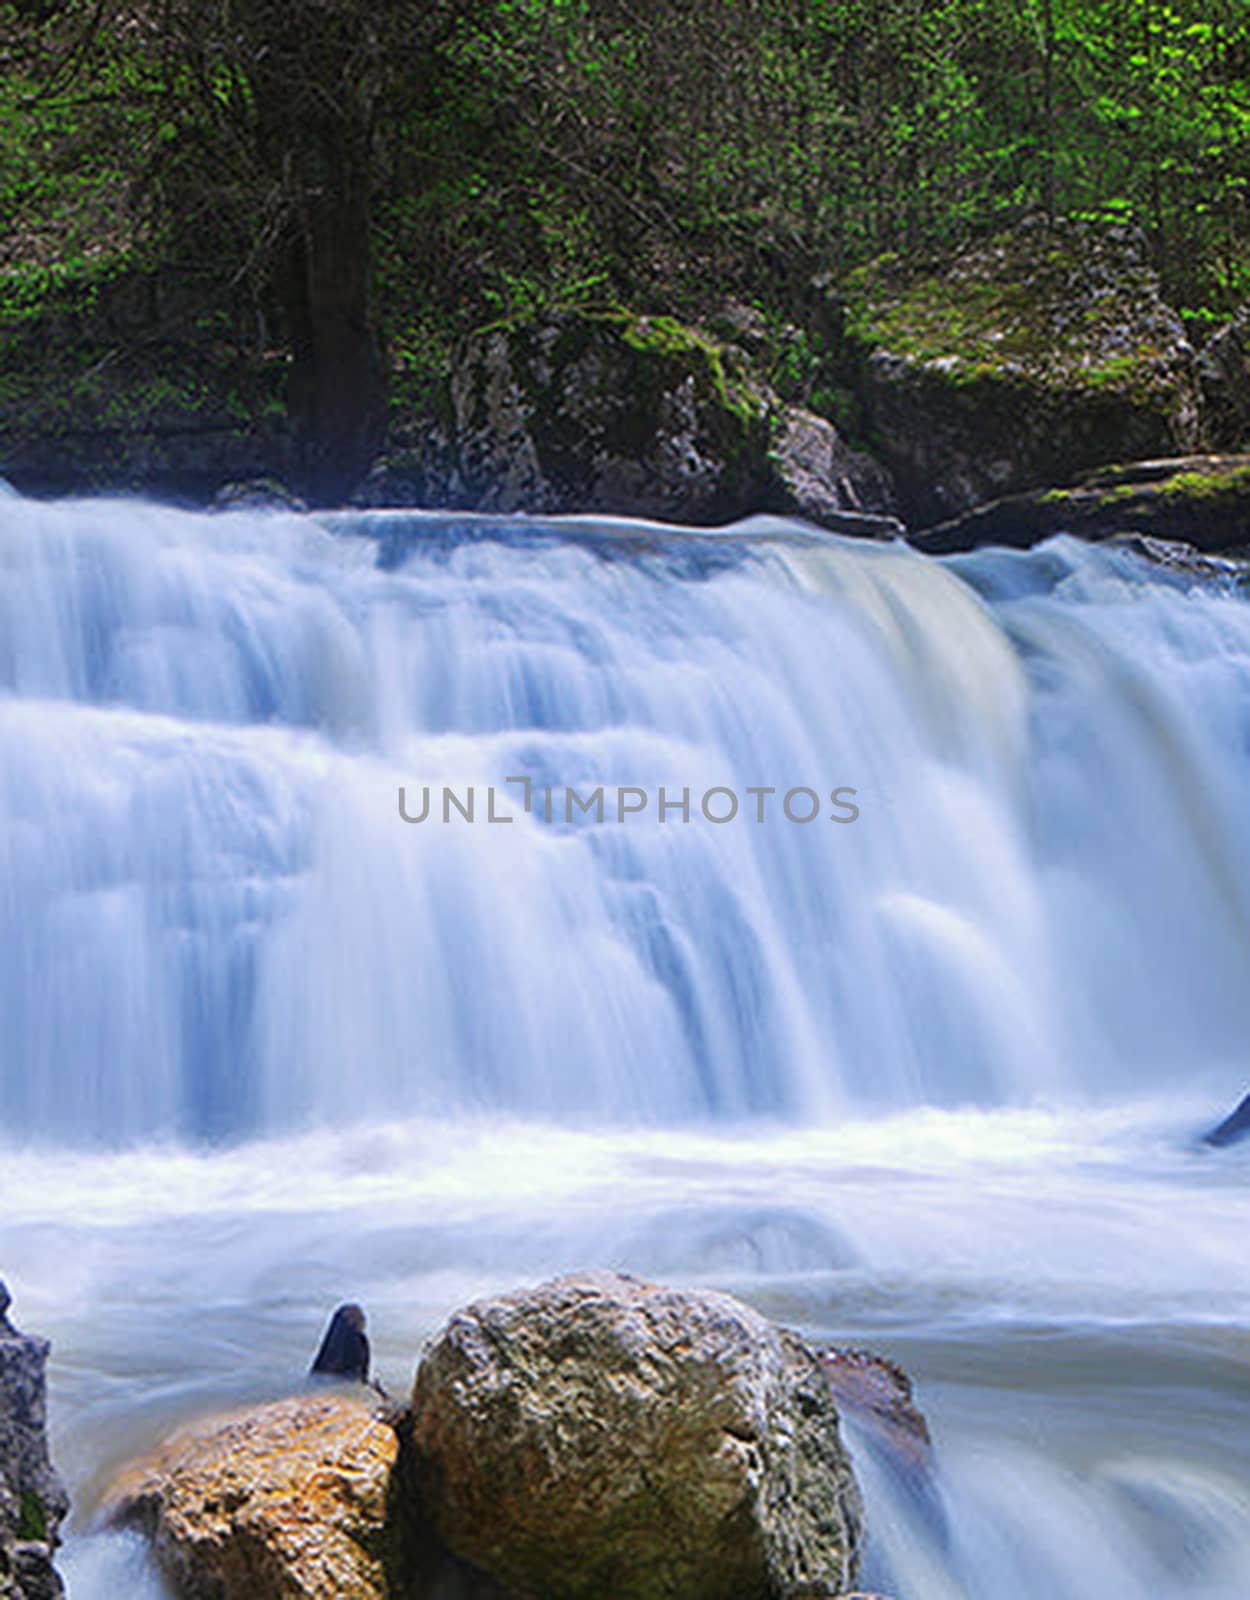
[1207,485]
[32,1522]
[1005,315]
[1111,374]
[666,338]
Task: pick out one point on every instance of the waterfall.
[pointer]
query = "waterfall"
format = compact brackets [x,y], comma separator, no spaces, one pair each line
[216,922]
[267,1045]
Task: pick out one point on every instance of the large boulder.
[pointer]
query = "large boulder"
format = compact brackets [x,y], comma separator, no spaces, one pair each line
[600,1435]
[286,1500]
[33,1501]
[1022,362]
[633,416]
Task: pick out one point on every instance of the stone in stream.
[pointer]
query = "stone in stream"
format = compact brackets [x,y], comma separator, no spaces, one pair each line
[288,1499]
[33,1501]
[1234,1128]
[880,1394]
[593,1436]
[344,1352]
[600,1435]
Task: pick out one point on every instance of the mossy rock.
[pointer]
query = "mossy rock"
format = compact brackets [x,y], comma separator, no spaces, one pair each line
[1201,501]
[1027,360]
[620,413]
[613,412]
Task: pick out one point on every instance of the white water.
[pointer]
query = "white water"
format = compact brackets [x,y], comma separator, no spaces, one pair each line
[925,1080]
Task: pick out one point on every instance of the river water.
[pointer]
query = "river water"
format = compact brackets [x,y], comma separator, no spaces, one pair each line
[927,1080]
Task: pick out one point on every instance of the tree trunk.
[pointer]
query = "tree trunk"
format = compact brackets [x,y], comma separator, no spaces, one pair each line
[337,392]
[312,71]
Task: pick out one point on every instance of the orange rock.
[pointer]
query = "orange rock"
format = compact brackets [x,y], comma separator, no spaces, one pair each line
[285,1500]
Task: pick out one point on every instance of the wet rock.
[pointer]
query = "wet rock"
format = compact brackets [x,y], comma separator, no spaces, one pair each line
[1201,501]
[631,416]
[880,1394]
[257,494]
[288,1499]
[603,1435]
[33,1501]
[1023,362]
[1234,1128]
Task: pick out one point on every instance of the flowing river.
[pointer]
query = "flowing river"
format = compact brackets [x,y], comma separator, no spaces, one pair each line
[922,1073]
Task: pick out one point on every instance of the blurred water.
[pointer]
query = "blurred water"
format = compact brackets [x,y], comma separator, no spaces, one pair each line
[926,1081]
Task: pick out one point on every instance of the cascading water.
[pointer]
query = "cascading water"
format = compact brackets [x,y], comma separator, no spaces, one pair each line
[923,1078]
[218,924]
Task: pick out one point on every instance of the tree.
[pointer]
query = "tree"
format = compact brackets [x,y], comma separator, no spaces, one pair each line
[284,106]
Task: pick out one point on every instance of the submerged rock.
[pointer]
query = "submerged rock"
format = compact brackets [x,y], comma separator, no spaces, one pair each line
[632,416]
[289,1499]
[1234,1128]
[601,1435]
[1201,501]
[1025,361]
[33,1501]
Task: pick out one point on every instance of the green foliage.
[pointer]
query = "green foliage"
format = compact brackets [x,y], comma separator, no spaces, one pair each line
[533,155]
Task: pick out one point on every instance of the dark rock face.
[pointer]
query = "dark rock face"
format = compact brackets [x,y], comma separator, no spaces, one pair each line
[1224,371]
[600,1435]
[631,416]
[1201,501]
[1025,362]
[33,1501]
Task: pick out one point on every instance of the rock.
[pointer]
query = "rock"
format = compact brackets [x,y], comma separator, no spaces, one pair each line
[286,1499]
[880,1394]
[33,1501]
[1224,372]
[819,478]
[1025,361]
[601,1435]
[257,494]
[1203,501]
[632,416]
[1234,1128]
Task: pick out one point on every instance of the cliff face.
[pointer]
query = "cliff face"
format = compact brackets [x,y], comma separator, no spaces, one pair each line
[33,1501]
